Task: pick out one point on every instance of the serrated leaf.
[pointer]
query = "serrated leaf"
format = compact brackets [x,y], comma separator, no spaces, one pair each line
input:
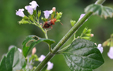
[35,40]
[13,61]
[83,55]
[100,10]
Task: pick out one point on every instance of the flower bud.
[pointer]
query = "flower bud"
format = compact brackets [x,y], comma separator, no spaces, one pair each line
[92,35]
[33,51]
[54,9]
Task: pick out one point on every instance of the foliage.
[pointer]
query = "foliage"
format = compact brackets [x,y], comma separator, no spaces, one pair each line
[13,60]
[83,55]
[80,55]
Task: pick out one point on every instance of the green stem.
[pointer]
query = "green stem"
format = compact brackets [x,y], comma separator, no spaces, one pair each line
[65,38]
[63,49]
[44,31]
[46,34]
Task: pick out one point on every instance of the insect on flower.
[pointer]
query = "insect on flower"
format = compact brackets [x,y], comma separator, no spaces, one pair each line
[48,24]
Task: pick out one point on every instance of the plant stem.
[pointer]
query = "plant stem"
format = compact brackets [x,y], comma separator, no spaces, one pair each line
[63,49]
[46,34]
[65,38]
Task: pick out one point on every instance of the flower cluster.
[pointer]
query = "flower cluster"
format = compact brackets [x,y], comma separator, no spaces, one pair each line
[34,17]
[49,64]
[86,34]
[110,53]
[29,8]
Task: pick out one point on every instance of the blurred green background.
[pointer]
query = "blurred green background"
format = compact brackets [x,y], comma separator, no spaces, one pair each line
[11,33]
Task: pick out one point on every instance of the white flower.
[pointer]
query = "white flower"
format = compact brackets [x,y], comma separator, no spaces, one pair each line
[82,15]
[41,58]
[110,53]
[100,48]
[29,9]
[49,65]
[47,13]
[20,13]
[33,5]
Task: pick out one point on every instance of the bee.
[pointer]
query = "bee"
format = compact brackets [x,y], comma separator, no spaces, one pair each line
[49,24]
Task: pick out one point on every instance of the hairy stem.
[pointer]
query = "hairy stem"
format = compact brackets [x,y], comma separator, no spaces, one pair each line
[65,38]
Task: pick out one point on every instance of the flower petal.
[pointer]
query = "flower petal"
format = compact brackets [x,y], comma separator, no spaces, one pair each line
[41,58]
[110,53]
[29,9]
[20,13]
[34,4]
[82,15]
[50,65]
[47,13]
[100,48]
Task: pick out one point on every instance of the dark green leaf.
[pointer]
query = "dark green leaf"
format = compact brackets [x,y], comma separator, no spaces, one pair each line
[83,55]
[35,40]
[100,10]
[13,61]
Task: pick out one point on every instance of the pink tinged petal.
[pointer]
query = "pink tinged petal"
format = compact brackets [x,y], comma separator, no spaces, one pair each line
[110,53]
[29,9]
[100,48]
[81,16]
[20,13]
[34,4]
[49,65]
[47,13]
[41,58]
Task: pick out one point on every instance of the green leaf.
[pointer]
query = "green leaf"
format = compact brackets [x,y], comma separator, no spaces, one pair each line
[83,55]
[35,40]
[13,61]
[100,10]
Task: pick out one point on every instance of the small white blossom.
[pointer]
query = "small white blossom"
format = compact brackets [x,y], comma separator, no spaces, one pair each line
[20,13]
[100,48]
[41,58]
[49,65]
[110,53]
[47,13]
[81,16]
[33,5]
[29,9]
